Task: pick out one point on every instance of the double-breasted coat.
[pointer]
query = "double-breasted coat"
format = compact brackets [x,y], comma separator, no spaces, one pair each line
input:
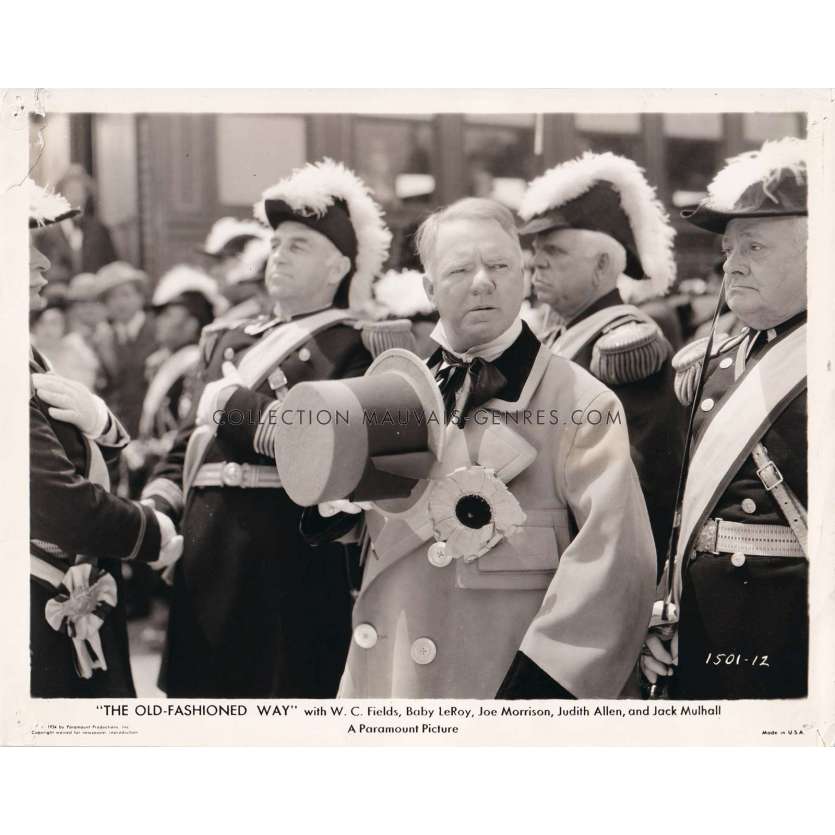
[256,611]
[572,590]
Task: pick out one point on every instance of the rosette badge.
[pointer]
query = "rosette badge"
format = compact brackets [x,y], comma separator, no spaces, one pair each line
[471,511]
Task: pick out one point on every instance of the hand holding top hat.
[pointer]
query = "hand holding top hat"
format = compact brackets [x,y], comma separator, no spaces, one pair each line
[365,438]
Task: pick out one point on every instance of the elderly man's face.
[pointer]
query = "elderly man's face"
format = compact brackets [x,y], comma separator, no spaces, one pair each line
[304,267]
[765,269]
[475,281]
[564,271]
[38,265]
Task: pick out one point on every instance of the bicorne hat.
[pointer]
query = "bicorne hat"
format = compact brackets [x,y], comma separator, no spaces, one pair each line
[770,182]
[606,193]
[46,206]
[330,199]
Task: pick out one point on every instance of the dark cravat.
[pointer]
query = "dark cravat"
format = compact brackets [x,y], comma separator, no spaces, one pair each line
[485,382]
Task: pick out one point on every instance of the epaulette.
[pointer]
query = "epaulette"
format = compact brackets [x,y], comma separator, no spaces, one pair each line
[688,360]
[210,335]
[387,333]
[629,352]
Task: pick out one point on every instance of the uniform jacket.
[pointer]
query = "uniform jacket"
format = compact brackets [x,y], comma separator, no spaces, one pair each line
[256,611]
[656,421]
[745,499]
[572,590]
[70,516]
[751,605]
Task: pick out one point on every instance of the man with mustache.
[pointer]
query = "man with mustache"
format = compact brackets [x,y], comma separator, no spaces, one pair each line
[255,611]
[556,609]
[735,624]
[595,220]
[79,531]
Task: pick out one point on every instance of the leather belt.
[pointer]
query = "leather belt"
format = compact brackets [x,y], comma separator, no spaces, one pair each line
[232,474]
[720,537]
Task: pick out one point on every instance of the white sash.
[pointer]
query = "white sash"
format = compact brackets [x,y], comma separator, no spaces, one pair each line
[730,436]
[168,373]
[575,337]
[274,348]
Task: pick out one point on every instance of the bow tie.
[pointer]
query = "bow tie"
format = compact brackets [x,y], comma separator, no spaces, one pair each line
[485,382]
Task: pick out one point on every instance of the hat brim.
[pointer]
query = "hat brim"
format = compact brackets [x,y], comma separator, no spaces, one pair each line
[717,222]
[35,224]
[545,223]
[113,283]
[406,364]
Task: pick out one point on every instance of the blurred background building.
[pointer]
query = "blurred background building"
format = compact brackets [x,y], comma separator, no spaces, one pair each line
[163,179]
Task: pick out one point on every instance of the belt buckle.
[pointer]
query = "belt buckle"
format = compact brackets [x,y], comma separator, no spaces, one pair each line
[709,536]
[777,475]
[232,474]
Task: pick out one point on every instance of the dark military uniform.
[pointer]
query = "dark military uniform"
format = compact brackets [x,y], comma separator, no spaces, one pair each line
[629,354]
[75,520]
[256,612]
[743,622]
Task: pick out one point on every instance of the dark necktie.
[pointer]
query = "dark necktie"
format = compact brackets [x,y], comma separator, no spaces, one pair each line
[485,382]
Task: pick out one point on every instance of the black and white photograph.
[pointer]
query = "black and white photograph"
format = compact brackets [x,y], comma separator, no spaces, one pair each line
[416,419]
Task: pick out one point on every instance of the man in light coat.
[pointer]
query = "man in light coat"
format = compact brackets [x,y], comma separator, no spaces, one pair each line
[556,609]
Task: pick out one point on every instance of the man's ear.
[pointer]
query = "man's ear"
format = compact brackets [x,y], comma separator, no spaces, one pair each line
[340,266]
[429,287]
[601,267]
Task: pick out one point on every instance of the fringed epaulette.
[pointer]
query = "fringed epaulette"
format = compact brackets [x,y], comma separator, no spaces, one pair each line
[211,333]
[387,333]
[629,352]
[688,360]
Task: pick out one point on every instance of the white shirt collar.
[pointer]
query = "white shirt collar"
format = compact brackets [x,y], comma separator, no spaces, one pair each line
[488,351]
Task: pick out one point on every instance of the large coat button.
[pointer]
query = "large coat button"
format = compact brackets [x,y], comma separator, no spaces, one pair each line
[707,404]
[726,363]
[424,651]
[438,556]
[365,635]
[738,559]
[749,505]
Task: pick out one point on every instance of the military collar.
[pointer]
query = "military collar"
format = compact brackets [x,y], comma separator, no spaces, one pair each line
[609,300]
[266,322]
[761,339]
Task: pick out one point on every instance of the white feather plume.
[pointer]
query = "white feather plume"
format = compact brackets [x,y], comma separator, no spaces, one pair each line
[186,279]
[251,262]
[227,228]
[44,204]
[763,165]
[312,190]
[401,294]
[650,222]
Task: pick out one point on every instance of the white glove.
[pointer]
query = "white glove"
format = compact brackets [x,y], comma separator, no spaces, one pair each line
[72,402]
[656,658]
[171,547]
[327,509]
[216,394]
